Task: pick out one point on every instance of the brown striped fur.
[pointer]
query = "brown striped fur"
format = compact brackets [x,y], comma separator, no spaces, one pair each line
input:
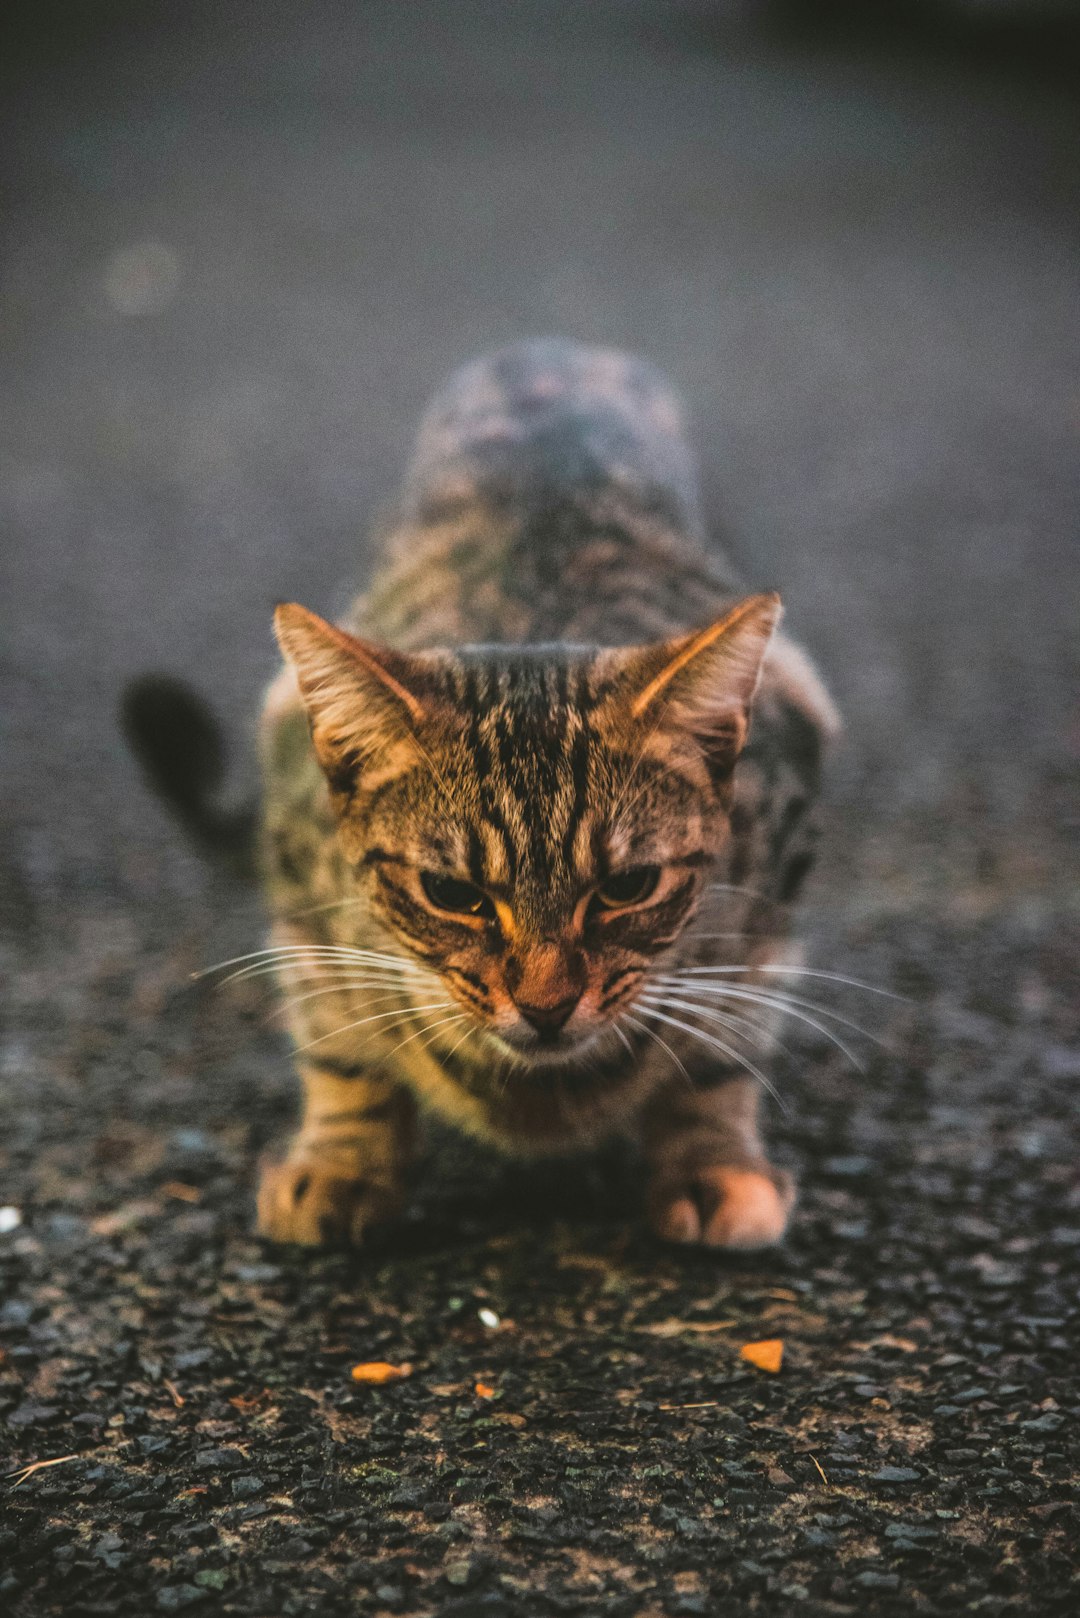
[548,685]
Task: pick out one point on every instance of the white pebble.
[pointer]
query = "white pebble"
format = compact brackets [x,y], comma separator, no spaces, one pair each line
[489,1318]
[11,1219]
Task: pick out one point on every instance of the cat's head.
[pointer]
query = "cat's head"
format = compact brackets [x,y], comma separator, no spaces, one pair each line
[534,823]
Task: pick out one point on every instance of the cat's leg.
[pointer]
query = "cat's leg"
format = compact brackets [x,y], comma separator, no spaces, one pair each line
[709,1179]
[345,1166]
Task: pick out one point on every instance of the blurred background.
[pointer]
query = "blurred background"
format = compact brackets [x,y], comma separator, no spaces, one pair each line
[243,243]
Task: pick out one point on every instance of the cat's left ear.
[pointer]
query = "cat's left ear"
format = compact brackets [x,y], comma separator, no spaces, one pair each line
[361,698]
[704,682]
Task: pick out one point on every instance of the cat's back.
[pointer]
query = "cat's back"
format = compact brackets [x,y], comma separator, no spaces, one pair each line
[550,418]
[552,495]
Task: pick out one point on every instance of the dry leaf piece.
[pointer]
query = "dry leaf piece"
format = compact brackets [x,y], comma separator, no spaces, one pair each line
[377,1372]
[768,1355]
[674,1327]
[251,1401]
[28,1471]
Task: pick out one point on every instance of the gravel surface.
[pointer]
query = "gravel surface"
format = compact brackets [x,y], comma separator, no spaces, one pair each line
[243,245]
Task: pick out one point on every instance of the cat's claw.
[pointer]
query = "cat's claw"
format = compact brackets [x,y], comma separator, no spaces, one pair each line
[722,1206]
[318,1204]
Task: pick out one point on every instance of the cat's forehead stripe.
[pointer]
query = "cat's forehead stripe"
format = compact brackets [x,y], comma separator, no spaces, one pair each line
[530,743]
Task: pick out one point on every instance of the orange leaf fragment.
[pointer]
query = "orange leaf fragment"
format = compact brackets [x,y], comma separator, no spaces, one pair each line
[768,1355]
[250,1401]
[377,1372]
[180,1192]
[484,1390]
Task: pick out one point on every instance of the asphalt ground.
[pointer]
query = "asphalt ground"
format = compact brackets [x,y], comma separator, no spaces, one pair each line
[241,246]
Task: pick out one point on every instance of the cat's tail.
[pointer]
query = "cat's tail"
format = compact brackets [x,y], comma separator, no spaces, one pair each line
[180,745]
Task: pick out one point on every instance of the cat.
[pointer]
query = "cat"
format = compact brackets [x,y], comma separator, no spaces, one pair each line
[536,816]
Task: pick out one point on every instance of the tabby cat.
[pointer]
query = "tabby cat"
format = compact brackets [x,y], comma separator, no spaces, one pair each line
[527,863]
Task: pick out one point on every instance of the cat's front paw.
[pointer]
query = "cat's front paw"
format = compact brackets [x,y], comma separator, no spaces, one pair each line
[719,1205]
[317,1203]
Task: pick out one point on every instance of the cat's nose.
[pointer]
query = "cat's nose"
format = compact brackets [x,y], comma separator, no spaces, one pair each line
[549,1019]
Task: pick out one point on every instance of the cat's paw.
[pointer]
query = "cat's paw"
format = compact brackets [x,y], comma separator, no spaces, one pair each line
[722,1206]
[320,1204]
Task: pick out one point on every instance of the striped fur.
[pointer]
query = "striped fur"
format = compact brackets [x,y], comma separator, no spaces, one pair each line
[547,692]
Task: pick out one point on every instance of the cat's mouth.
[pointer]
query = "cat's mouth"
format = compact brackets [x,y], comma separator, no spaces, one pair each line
[540,1053]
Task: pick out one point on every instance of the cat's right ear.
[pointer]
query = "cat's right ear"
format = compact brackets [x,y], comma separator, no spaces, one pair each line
[361,699]
[704,683]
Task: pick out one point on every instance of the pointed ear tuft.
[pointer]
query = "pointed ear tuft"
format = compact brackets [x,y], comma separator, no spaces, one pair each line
[705,682]
[360,698]
[314,647]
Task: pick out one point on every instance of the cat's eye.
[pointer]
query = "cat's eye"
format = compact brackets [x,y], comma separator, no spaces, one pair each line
[460,898]
[628,887]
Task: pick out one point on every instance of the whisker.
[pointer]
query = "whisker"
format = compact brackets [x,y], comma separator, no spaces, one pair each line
[739,932]
[326,963]
[736,887]
[764,1038]
[615,1029]
[458,1045]
[335,958]
[777,997]
[316,970]
[365,1043]
[349,952]
[288,951]
[327,955]
[789,1005]
[663,1044]
[731,1018]
[795,972]
[735,1056]
[436,1005]
[318,910]
[439,1023]
[345,987]
[268,953]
